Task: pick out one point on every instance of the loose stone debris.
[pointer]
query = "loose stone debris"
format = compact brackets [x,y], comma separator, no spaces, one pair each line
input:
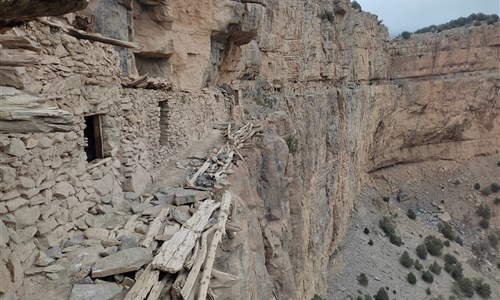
[167,248]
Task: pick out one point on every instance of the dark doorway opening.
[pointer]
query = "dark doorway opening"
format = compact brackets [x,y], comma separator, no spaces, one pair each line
[92,134]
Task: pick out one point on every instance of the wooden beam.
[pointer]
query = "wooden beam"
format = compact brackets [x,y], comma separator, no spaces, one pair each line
[91,36]
[207,269]
[174,252]
[19,42]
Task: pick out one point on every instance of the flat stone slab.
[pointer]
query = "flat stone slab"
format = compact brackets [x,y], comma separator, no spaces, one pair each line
[102,291]
[184,196]
[127,260]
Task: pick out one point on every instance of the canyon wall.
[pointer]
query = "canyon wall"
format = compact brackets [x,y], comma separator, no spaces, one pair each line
[338,99]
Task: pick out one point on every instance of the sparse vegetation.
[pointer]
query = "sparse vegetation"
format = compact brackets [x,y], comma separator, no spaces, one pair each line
[386,198]
[450,258]
[486,191]
[428,291]
[316,297]
[477,186]
[447,231]
[422,251]
[366,230]
[484,211]
[411,278]
[418,266]
[405,35]
[370,242]
[411,214]
[363,280]
[447,243]
[482,288]
[459,241]
[492,238]
[327,16]
[387,226]
[434,245]
[474,19]
[396,240]
[381,295]
[495,187]
[484,224]
[406,260]
[455,270]
[465,286]
[435,268]
[427,277]
[356,5]
[497,201]
[293,143]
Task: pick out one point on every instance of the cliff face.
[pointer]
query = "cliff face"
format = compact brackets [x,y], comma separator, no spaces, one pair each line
[355,102]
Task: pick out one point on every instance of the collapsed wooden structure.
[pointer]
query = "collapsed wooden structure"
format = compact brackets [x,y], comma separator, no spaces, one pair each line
[183,265]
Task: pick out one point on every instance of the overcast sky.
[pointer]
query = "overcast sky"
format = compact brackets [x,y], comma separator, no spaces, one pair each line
[410,15]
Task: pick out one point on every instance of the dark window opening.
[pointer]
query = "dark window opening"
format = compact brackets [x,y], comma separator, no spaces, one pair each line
[92,134]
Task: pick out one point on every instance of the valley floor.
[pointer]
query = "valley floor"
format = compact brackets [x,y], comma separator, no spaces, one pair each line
[435,191]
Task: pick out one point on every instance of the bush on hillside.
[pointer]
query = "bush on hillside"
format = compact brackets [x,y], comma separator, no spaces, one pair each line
[422,251]
[406,260]
[418,266]
[363,280]
[495,187]
[477,186]
[411,214]
[411,278]
[435,268]
[427,277]
[466,286]
[484,224]
[450,258]
[447,231]
[387,226]
[482,288]
[396,240]
[381,295]
[405,35]
[356,5]
[433,245]
[484,211]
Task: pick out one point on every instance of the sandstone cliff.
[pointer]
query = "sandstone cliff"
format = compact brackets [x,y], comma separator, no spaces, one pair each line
[317,72]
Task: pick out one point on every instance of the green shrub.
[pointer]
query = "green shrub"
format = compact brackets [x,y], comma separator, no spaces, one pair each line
[292,143]
[316,297]
[411,214]
[406,260]
[447,231]
[411,278]
[418,266]
[356,5]
[422,251]
[387,226]
[493,240]
[396,240]
[405,35]
[427,277]
[447,243]
[482,288]
[428,291]
[435,268]
[484,224]
[456,271]
[381,295]
[486,191]
[484,210]
[368,297]
[477,186]
[363,280]
[433,245]
[465,285]
[450,258]
[495,187]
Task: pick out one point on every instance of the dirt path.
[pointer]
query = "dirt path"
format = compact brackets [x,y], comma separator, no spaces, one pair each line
[170,175]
